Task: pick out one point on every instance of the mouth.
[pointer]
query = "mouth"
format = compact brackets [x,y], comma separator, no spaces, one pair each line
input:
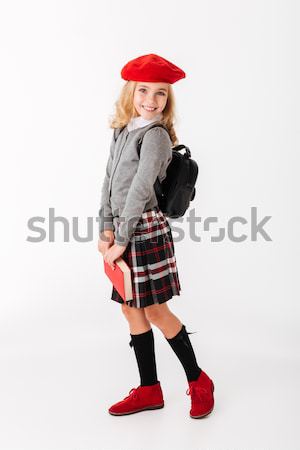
[147,108]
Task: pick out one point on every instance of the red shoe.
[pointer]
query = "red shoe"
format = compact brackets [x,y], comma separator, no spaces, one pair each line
[201,392]
[139,399]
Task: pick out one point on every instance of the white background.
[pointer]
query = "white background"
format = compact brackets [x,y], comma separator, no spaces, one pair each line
[64,350]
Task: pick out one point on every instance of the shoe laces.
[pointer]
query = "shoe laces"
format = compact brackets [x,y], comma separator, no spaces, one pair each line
[196,390]
[132,393]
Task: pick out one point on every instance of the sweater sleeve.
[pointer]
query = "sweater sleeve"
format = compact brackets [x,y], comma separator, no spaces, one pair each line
[105,212]
[156,150]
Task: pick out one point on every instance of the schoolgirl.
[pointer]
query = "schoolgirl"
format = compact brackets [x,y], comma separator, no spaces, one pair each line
[133,227]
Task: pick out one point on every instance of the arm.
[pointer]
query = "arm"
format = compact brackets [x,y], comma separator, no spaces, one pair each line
[155,150]
[105,212]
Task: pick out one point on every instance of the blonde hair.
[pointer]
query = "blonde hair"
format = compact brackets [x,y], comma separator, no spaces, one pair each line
[125,110]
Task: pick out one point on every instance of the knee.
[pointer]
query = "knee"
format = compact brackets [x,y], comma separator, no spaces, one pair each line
[132,313]
[154,314]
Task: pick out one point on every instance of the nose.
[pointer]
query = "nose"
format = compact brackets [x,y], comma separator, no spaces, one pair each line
[151,99]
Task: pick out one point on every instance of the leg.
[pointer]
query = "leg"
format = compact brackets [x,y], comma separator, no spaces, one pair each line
[201,386]
[142,340]
[177,336]
[164,319]
[138,323]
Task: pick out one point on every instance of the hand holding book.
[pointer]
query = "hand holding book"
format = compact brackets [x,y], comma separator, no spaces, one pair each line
[120,278]
[106,240]
[114,252]
[115,267]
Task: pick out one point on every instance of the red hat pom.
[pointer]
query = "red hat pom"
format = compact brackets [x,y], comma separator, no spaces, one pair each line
[152,68]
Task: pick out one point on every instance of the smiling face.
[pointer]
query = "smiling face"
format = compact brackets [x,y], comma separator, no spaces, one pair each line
[150,99]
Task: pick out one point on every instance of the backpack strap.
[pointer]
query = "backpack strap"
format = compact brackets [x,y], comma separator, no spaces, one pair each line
[117,131]
[149,128]
[157,185]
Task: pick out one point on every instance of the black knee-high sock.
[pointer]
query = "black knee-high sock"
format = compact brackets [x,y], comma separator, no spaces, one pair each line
[182,346]
[143,345]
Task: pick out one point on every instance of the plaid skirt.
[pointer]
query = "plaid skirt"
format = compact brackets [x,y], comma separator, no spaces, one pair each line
[151,256]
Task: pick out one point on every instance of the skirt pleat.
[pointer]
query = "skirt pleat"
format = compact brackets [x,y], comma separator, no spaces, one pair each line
[151,256]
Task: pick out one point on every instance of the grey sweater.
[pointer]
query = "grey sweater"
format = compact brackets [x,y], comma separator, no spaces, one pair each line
[127,189]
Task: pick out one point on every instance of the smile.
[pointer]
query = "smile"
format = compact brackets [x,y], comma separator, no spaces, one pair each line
[148,109]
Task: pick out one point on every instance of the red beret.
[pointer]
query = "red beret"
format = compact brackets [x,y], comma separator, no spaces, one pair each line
[151,68]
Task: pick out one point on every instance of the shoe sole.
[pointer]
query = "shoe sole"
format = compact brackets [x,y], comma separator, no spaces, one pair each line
[137,410]
[206,414]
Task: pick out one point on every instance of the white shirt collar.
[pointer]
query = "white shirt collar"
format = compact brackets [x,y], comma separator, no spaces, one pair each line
[139,121]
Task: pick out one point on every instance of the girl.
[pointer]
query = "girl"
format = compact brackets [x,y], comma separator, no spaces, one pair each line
[129,220]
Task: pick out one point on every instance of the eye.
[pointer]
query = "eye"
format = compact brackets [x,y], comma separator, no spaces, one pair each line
[142,89]
[161,93]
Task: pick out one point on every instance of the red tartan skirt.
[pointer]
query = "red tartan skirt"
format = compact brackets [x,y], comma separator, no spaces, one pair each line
[151,256]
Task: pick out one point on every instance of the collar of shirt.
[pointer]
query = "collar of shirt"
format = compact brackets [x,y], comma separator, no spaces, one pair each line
[139,121]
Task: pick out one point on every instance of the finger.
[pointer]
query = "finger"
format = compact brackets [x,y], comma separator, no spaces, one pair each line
[109,262]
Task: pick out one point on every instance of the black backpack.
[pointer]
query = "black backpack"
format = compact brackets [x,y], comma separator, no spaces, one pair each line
[177,190]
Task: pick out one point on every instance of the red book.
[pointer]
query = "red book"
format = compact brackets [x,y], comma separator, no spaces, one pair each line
[120,278]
